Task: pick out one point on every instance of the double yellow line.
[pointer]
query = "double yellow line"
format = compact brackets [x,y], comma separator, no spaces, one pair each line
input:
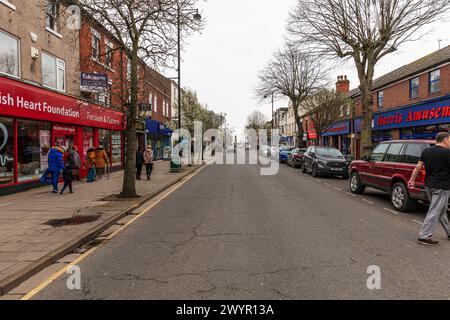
[62,271]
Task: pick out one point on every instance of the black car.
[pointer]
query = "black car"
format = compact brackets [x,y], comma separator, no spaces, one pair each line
[325,161]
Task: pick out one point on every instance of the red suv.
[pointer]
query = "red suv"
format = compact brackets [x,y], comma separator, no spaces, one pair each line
[389,169]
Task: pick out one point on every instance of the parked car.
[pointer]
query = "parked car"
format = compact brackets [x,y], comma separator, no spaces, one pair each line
[284,153]
[295,159]
[325,161]
[389,168]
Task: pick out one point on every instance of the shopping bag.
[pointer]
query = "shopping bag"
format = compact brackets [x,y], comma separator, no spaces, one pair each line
[46,177]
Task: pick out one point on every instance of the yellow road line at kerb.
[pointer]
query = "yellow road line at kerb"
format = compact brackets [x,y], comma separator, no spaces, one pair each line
[59,273]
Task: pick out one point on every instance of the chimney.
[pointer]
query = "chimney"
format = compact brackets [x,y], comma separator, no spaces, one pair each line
[343,84]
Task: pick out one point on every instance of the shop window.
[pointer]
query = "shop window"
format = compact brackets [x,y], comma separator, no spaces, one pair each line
[444,127]
[105,140]
[414,88]
[428,130]
[407,133]
[434,85]
[33,143]
[6,151]
[53,72]
[393,154]
[88,140]
[9,55]
[116,148]
[380,99]
[51,15]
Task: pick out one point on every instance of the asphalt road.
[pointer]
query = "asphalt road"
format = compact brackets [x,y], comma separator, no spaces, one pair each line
[230,233]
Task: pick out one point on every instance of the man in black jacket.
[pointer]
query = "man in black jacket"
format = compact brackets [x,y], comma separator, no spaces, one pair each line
[139,162]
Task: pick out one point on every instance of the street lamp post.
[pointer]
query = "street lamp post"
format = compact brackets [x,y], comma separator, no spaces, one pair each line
[197,16]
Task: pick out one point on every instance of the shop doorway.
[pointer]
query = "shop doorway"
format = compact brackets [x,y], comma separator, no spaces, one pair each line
[63,136]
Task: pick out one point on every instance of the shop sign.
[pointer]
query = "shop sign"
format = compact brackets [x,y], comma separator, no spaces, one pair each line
[312,133]
[337,129]
[430,113]
[21,100]
[63,130]
[93,82]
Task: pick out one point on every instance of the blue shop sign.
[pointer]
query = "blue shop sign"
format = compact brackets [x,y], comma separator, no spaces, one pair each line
[428,113]
[357,125]
[152,126]
[337,129]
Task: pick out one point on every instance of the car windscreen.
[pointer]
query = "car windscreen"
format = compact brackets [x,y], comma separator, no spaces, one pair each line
[329,153]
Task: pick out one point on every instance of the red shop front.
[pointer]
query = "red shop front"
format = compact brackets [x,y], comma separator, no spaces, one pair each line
[32,120]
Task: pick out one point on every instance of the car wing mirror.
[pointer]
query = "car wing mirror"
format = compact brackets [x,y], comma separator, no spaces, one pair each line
[365,158]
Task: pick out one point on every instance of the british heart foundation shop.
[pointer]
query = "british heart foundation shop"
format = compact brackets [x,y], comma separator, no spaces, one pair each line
[32,120]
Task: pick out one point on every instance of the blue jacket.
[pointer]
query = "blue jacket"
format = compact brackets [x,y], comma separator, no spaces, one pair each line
[55,160]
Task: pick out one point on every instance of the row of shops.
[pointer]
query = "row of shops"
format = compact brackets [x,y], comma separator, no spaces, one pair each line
[33,119]
[418,121]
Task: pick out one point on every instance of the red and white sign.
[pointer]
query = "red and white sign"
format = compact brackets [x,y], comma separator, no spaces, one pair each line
[21,100]
[312,133]
[63,130]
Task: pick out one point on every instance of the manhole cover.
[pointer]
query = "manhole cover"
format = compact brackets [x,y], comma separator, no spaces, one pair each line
[56,223]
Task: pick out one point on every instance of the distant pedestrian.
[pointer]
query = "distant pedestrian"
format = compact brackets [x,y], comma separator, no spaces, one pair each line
[89,164]
[139,162]
[148,161]
[55,165]
[75,162]
[68,178]
[436,161]
[101,161]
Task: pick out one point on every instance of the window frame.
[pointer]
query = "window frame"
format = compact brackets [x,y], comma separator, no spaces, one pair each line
[57,69]
[53,15]
[399,155]
[95,47]
[431,82]
[380,97]
[388,144]
[19,64]
[411,88]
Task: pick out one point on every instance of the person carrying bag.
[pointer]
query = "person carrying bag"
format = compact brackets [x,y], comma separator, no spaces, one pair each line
[148,161]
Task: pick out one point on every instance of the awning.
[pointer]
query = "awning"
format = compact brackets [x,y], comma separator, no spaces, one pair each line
[152,126]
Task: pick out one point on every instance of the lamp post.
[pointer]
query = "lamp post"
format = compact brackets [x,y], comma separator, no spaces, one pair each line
[196,16]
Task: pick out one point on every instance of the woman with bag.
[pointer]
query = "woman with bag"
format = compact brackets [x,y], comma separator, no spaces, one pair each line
[89,164]
[148,161]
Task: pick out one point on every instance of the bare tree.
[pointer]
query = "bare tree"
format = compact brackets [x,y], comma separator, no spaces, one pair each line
[256,121]
[292,74]
[146,30]
[362,30]
[324,108]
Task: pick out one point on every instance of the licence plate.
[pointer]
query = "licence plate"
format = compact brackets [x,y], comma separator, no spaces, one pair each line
[337,169]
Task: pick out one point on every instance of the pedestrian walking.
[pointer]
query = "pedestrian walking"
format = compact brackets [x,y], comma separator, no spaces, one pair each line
[75,162]
[67,178]
[55,165]
[148,161]
[139,162]
[101,161]
[89,164]
[436,161]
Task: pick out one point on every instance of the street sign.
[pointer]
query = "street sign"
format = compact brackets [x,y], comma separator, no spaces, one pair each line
[93,82]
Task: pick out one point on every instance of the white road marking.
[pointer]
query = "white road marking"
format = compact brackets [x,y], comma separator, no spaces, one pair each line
[392,211]
[338,189]
[41,195]
[351,194]
[365,200]
[328,185]
[5,204]
[418,222]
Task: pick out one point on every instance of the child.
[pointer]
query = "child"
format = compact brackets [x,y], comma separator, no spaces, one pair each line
[68,178]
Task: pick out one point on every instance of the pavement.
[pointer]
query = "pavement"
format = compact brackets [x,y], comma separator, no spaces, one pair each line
[31,234]
[230,233]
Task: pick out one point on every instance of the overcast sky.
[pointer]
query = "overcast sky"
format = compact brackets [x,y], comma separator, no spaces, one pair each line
[222,63]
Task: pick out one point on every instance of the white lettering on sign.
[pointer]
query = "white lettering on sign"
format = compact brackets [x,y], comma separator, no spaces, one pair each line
[102,119]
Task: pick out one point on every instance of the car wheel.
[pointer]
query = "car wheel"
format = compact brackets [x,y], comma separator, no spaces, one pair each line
[304,167]
[400,198]
[314,171]
[356,186]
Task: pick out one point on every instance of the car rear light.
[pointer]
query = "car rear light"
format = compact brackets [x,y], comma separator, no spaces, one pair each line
[421,176]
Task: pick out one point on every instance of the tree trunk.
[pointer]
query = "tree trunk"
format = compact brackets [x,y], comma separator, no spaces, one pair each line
[129,178]
[300,131]
[366,124]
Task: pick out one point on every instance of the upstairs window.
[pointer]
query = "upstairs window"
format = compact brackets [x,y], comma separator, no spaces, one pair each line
[9,55]
[434,85]
[414,88]
[51,15]
[53,72]
[380,99]
[95,45]
[109,54]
